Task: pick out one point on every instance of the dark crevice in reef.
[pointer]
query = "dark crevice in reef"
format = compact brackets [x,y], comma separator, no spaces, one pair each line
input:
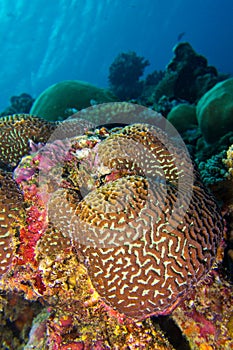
[172,332]
[227,265]
[16,318]
[226,268]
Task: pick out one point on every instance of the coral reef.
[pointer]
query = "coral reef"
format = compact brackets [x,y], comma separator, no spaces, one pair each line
[124,74]
[151,236]
[19,104]
[121,113]
[204,151]
[16,317]
[213,170]
[206,319]
[63,99]
[154,78]
[17,132]
[149,84]
[165,104]
[183,117]
[215,111]
[187,76]
[226,194]
[229,161]
[46,267]
[12,210]
[141,150]
[216,173]
[216,177]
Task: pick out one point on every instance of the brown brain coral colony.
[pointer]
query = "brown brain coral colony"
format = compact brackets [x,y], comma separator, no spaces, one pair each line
[147,227]
[165,251]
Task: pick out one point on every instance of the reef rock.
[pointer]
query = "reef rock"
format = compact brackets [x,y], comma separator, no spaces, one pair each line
[124,74]
[19,104]
[187,76]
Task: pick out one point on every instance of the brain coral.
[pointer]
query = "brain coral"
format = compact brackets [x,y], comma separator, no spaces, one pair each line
[165,251]
[147,227]
[215,111]
[57,100]
[117,113]
[11,207]
[16,132]
[129,201]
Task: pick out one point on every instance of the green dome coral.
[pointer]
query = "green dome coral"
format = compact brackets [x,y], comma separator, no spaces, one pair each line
[183,117]
[58,100]
[215,111]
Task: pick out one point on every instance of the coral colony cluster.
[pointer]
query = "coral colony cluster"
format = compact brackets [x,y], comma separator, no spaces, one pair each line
[124,74]
[109,236]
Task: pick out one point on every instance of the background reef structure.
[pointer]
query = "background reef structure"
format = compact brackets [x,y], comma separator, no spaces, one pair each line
[124,74]
[115,226]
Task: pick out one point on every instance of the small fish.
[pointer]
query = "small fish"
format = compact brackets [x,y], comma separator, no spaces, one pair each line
[180,36]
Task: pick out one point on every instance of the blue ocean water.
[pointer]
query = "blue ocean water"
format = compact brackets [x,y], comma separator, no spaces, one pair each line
[46,41]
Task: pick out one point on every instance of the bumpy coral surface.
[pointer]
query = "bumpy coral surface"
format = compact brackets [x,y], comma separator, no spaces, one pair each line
[229,161]
[15,133]
[206,319]
[11,210]
[113,226]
